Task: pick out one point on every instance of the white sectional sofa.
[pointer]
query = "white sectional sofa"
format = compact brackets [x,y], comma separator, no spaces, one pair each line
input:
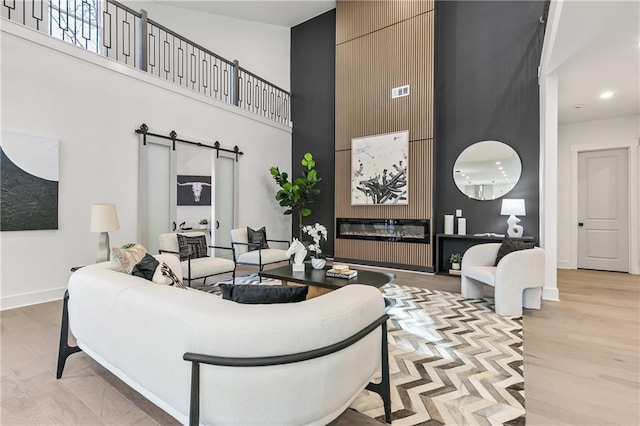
[140,331]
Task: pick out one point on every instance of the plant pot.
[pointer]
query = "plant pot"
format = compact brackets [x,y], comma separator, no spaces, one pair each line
[204,226]
[455,266]
[318,263]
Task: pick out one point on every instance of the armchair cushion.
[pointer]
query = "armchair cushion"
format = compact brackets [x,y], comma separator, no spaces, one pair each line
[509,246]
[257,237]
[267,256]
[263,294]
[207,266]
[194,246]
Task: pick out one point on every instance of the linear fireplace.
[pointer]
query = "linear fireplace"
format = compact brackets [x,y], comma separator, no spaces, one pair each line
[397,230]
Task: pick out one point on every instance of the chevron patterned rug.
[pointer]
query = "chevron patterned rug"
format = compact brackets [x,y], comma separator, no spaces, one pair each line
[452,361]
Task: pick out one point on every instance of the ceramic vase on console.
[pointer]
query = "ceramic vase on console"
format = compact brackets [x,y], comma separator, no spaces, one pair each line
[318,263]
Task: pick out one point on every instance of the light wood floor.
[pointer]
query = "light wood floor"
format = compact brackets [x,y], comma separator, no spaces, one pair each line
[581,361]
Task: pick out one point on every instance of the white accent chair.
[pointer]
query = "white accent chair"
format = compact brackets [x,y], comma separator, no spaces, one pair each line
[258,257]
[193,269]
[518,279]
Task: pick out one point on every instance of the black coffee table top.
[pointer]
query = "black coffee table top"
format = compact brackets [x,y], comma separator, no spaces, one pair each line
[317,277]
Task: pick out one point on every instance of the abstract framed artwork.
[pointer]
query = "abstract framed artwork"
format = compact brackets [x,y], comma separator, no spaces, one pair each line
[29,177]
[194,190]
[379,169]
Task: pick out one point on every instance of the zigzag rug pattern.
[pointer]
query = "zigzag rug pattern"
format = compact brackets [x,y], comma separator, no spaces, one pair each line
[452,361]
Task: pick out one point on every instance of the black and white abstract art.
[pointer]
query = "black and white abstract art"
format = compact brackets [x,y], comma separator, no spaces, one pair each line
[379,167]
[28,182]
[194,190]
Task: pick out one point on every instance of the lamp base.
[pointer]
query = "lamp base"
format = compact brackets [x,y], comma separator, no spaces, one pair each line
[514,230]
[104,249]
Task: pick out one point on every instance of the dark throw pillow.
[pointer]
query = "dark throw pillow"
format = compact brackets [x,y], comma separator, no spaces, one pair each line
[146,267]
[509,245]
[197,246]
[263,294]
[257,237]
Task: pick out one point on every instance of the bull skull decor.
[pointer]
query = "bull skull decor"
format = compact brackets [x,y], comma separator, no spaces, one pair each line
[194,190]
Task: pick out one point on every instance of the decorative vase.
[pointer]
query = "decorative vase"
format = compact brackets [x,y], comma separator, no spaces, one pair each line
[455,266]
[318,263]
[204,226]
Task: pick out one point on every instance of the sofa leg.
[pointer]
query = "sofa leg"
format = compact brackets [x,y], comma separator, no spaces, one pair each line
[471,289]
[384,387]
[508,304]
[531,297]
[64,350]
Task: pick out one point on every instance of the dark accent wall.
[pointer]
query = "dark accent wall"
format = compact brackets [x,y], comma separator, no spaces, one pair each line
[486,60]
[313,65]
[487,56]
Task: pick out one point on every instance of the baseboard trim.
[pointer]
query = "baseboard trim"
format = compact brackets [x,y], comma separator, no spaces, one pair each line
[34,298]
[563,264]
[551,294]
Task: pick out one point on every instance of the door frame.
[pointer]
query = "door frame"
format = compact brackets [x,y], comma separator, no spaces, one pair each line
[631,146]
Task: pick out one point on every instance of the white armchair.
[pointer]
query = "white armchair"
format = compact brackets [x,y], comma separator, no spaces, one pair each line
[256,257]
[195,268]
[518,279]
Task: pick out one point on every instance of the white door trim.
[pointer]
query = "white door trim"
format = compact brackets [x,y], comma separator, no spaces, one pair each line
[634,232]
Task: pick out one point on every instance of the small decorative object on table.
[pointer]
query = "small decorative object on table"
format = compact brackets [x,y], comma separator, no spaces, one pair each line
[341,271]
[455,260]
[204,224]
[318,233]
[299,253]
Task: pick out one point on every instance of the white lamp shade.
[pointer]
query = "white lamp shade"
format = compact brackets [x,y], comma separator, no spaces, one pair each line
[513,206]
[104,218]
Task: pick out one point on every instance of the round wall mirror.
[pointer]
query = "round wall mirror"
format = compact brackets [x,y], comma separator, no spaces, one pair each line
[487,170]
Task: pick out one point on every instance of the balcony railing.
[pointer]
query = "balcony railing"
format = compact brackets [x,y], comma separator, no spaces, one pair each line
[118,32]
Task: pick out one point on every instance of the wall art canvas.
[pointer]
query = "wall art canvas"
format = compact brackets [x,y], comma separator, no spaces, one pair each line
[194,190]
[29,167]
[379,169]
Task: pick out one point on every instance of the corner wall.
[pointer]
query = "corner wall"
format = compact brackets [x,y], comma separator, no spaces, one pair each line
[92,105]
[603,132]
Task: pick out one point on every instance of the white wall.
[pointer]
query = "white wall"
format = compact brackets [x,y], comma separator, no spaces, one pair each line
[600,131]
[263,49]
[92,105]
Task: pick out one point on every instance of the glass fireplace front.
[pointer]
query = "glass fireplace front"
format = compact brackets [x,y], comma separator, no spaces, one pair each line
[397,230]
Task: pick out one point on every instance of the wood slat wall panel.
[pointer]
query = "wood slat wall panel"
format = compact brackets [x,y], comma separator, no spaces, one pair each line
[358,18]
[368,68]
[381,45]
[420,207]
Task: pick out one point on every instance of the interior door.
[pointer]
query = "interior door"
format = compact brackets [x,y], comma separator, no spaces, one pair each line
[603,210]
[225,201]
[157,191]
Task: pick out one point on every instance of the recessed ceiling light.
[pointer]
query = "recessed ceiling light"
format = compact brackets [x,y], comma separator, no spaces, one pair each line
[497,162]
[606,95]
[500,168]
[577,106]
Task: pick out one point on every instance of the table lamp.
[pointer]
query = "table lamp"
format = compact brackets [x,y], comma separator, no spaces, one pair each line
[104,219]
[512,207]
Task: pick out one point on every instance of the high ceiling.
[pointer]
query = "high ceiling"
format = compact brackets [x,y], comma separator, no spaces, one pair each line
[286,13]
[597,49]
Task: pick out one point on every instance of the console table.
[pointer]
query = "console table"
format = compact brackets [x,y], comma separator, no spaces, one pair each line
[447,244]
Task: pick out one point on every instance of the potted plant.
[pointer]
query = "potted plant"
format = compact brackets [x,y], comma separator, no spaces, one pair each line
[204,224]
[318,233]
[297,195]
[455,260]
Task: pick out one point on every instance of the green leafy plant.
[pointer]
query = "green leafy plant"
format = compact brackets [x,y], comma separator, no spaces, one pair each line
[455,258]
[296,195]
[128,245]
[204,222]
